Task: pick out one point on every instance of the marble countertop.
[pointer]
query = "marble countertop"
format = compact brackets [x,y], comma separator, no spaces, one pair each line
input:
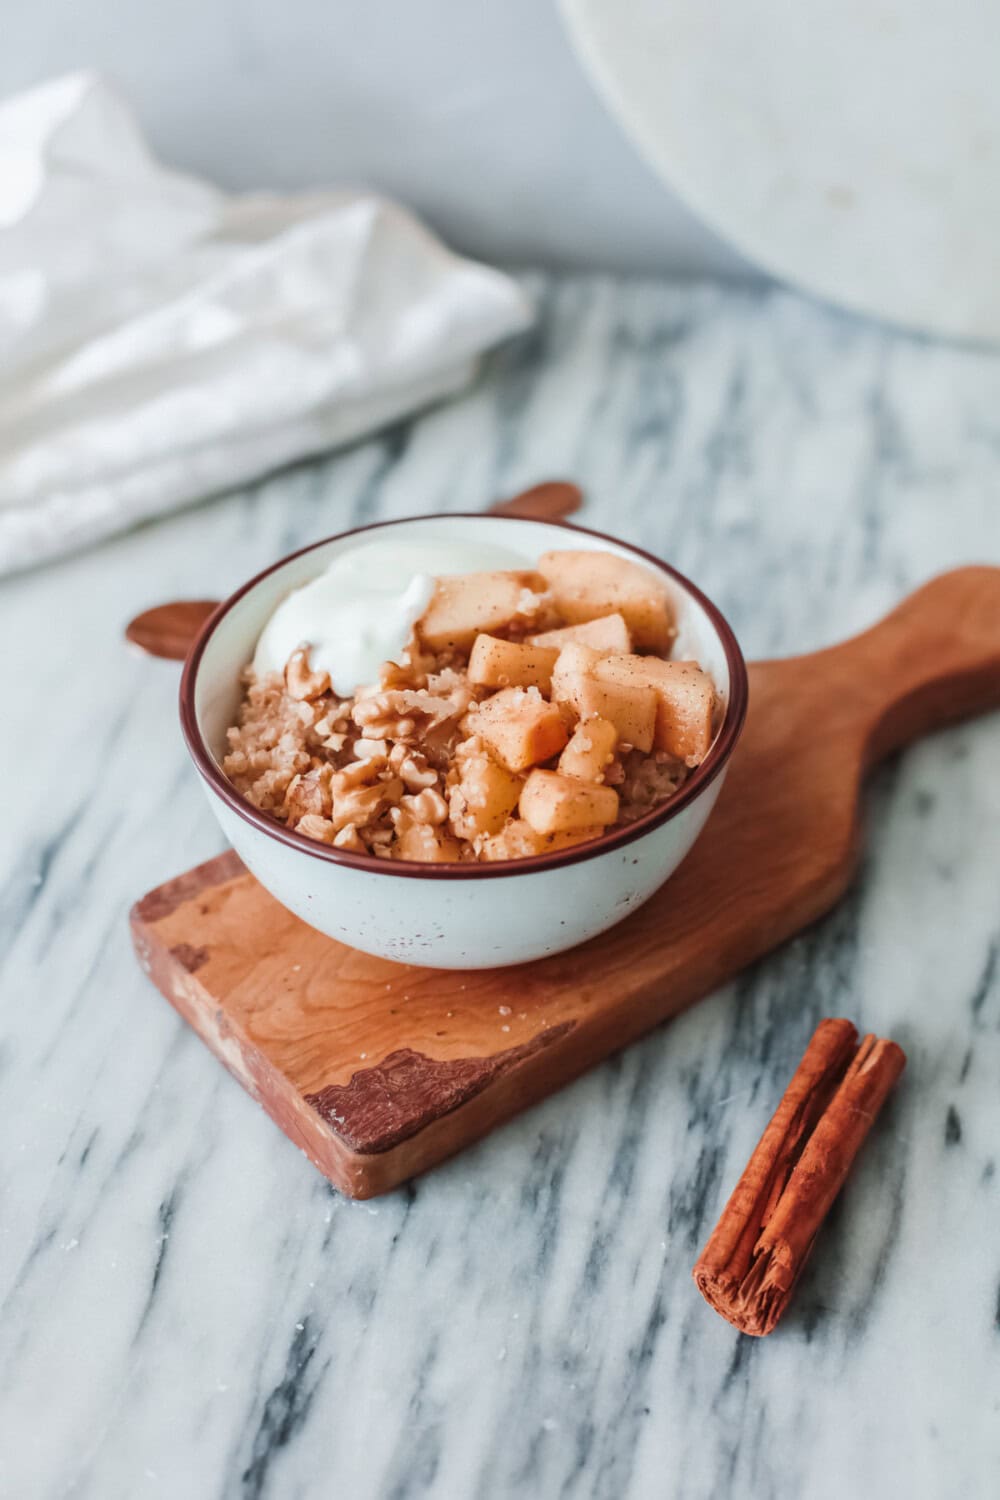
[189,1310]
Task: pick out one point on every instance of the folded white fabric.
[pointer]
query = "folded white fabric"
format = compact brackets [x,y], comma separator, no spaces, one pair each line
[160,340]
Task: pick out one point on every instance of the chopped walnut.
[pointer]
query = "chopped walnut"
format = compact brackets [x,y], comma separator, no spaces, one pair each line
[309,794]
[374,751]
[394,674]
[349,838]
[427,806]
[315,827]
[300,680]
[358,773]
[412,768]
[359,806]
[397,713]
[419,841]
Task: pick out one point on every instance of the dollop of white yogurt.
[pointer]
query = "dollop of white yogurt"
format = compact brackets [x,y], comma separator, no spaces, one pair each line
[361,610]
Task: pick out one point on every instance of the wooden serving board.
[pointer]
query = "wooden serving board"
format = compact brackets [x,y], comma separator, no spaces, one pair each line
[379,1071]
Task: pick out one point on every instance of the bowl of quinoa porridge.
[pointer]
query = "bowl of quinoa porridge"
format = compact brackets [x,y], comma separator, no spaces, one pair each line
[464,741]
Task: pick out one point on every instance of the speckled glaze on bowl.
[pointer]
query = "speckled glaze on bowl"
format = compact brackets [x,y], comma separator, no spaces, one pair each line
[455,916]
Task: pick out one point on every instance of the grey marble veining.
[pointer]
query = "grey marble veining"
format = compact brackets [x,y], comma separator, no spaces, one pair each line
[189,1311]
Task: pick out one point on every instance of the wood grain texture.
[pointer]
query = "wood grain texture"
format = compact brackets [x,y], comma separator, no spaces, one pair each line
[380,1071]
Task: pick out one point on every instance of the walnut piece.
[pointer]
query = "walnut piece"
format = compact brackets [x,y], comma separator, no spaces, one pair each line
[427,807]
[412,768]
[300,681]
[397,713]
[309,795]
[315,827]
[350,838]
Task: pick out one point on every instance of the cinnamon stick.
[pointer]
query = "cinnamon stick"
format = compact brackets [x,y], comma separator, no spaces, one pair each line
[751,1263]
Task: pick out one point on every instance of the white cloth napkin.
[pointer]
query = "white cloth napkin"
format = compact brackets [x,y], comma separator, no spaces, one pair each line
[160,340]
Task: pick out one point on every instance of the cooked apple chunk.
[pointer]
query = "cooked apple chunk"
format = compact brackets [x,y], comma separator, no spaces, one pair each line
[630,707]
[552,803]
[631,710]
[471,604]
[590,750]
[573,662]
[484,795]
[608,633]
[519,727]
[587,585]
[496,663]
[685,700]
[517,841]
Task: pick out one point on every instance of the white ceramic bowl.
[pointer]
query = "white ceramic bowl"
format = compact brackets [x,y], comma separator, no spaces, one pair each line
[468,916]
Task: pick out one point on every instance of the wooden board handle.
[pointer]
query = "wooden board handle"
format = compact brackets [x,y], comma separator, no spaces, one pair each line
[934,660]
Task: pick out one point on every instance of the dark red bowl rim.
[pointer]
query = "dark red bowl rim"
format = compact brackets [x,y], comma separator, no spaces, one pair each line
[700,778]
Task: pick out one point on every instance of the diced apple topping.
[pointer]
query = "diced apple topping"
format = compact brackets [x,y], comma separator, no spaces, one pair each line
[631,710]
[607,633]
[485,794]
[590,750]
[552,803]
[471,604]
[588,585]
[685,700]
[517,841]
[495,663]
[520,727]
[570,836]
[573,662]
[630,707]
